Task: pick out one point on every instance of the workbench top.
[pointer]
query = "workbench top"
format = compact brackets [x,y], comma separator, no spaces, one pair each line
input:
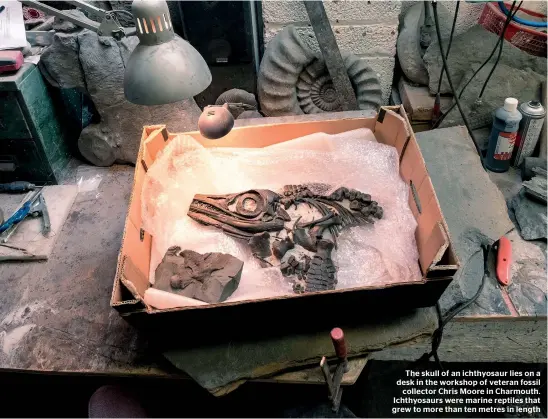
[55,315]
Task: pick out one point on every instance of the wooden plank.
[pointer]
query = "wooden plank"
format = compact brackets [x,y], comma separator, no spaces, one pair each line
[418,102]
[481,339]
[313,375]
[246,359]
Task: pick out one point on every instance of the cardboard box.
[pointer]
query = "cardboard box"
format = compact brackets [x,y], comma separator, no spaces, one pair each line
[437,258]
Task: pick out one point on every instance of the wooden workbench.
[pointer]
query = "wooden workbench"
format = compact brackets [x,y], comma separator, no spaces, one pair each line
[55,316]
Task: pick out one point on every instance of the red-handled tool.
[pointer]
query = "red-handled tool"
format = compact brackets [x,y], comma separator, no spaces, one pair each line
[333,381]
[504,261]
[337,337]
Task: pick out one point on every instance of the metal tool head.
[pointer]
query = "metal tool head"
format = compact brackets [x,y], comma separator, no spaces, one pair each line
[46,223]
[39,209]
[34,195]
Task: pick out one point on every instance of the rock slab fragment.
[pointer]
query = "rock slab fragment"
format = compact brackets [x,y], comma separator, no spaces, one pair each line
[530,216]
[410,51]
[242,359]
[506,81]
[95,65]
[473,47]
[209,277]
[474,209]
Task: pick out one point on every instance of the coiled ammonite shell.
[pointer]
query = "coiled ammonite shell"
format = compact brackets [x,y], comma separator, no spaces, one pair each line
[293,80]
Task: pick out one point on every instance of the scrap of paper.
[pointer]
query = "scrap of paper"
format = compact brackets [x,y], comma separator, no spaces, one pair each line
[12,25]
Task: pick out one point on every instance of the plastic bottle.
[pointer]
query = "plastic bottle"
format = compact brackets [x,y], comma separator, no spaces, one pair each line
[503,136]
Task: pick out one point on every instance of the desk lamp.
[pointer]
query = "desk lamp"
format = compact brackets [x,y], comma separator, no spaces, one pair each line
[163,68]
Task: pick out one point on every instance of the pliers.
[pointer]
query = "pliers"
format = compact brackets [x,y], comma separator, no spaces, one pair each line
[34,205]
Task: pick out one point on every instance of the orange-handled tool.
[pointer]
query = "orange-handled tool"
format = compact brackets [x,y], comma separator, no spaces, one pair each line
[504,261]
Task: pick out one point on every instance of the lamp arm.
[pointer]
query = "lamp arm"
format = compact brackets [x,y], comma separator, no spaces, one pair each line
[99,14]
[50,10]
[109,25]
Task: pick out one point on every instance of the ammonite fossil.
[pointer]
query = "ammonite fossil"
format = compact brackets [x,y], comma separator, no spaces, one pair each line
[294,80]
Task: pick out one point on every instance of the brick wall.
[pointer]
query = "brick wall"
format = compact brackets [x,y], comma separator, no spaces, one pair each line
[369,29]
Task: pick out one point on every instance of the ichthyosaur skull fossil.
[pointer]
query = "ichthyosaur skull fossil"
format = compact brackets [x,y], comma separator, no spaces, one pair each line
[295,230]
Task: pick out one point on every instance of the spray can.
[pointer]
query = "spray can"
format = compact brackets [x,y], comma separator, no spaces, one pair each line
[529,130]
[503,136]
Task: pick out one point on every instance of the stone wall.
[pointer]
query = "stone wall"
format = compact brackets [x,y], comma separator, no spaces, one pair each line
[469,13]
[366,28]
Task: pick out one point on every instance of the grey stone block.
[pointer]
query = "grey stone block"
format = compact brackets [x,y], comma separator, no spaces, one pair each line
[506,81]
[211,277]
[61,61]
[96,65]
[409,48]
[530,216]
[474,209]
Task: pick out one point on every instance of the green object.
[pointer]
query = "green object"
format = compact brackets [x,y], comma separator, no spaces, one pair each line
[33,135]
[163,68]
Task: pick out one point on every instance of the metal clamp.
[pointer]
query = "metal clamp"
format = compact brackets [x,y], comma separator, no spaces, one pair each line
[38,209]
[333,381]
[108,26]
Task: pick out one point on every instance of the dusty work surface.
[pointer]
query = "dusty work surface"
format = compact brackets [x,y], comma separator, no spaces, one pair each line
[222,367]
[55,315]
[475,210]
[506,324]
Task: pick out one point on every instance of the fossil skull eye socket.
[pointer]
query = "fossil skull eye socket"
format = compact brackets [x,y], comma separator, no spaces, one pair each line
[250,204]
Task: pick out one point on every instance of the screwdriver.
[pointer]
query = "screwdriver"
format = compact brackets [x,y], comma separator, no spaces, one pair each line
[17,186]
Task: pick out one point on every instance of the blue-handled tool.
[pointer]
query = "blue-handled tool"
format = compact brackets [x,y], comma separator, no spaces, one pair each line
[17,186]
[21,213]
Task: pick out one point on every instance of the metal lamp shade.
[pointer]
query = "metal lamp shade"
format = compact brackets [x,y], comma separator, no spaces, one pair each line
[165,73]
[163,68]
